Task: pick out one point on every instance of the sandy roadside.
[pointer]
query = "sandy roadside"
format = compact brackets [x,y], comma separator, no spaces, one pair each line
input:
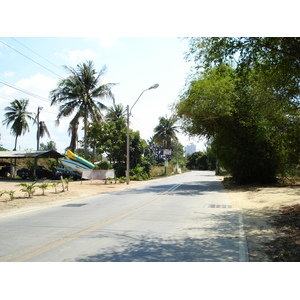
[76,190]
[257,205]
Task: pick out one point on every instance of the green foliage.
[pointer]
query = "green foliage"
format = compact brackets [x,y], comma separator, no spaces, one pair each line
[49,146]
[165,131]
[122,179]
[110,139]
[10,194]
[104,165]
[28,188]
[43,186]
[251,127]
[76,96]
[54,185]
[17,116]
[200,161]
[66,182]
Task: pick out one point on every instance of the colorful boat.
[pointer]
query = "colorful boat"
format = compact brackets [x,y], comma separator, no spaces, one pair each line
[73,165]
[79,159]
[68,171]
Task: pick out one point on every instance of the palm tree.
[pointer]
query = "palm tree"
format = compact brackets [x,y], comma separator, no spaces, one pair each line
[165,131]
[77,93]
[116,112]
[43,129]
[17,115]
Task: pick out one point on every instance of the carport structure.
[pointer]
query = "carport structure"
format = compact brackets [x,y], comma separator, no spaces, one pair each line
[14,155]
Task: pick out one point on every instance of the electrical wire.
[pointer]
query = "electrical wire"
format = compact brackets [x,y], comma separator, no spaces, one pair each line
[30,59]
[39,55]
[23,91]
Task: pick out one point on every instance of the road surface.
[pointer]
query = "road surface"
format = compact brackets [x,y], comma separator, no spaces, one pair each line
[186,217]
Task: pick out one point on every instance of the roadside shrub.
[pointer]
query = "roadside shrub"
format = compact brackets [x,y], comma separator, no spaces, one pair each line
[10,194]
[28,188]
[43,186]
[103,165]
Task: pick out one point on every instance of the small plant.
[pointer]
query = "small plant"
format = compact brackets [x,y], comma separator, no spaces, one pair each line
[10,194]
[28,188]
[43,186]
[108,179]
[66,181]
[55,184]
[122,179]
[1,193]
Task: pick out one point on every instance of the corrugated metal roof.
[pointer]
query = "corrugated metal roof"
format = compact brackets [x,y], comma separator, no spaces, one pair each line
[34,154]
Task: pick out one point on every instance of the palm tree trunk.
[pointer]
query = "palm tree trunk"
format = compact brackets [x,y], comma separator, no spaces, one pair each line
[16,143]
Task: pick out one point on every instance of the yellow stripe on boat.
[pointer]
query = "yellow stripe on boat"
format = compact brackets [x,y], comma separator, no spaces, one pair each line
[79,159]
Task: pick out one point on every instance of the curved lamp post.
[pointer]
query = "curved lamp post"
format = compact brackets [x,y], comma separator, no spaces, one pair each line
[154,86]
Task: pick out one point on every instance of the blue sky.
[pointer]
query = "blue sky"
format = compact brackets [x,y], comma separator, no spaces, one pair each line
[146,52]
[134,63]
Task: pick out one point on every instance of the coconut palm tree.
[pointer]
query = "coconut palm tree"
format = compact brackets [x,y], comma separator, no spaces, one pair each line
[116,112]
[43,129]
[17,116]
[165,131]
[77,94]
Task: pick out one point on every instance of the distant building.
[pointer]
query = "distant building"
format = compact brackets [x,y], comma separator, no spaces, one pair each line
[190,149]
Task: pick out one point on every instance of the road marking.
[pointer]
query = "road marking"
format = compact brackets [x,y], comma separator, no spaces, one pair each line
[29,252]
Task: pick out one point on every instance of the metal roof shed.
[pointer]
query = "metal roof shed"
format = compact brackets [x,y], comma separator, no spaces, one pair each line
[14,155]
[30,154]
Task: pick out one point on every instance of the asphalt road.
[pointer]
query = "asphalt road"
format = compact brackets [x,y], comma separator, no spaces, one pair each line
[185,217]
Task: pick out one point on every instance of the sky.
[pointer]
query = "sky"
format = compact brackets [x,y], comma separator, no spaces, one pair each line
[34,65]
[138,42]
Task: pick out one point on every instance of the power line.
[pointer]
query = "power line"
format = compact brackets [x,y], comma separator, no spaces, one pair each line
[38,55]
[30,59]
[23,91]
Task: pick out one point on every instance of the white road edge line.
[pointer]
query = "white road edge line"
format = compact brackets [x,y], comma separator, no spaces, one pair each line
[243,248]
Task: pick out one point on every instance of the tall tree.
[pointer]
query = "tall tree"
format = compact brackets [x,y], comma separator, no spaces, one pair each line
[43,129]
[116,112]
[247,124]
[165,132]
[77,94]
[49,146]
[277,57]
[17,116]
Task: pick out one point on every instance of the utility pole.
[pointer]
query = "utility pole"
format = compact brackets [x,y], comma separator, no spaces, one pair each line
[37,139]
[38,128]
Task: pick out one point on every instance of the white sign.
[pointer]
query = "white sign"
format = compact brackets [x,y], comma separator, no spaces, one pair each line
[98,174]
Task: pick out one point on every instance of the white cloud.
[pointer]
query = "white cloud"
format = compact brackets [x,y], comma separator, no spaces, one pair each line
[7,74]
[77,56]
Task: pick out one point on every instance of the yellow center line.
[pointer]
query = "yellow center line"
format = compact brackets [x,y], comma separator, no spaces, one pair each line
[29,252]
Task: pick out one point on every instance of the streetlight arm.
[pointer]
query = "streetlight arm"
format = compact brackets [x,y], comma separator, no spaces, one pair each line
[137,100]
[154,86]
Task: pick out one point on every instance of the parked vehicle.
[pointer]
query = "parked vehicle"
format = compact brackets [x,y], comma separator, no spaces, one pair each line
[41,172]
[24,173]
[5,172]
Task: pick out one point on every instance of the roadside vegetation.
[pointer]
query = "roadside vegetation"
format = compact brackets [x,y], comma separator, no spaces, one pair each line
[243,96]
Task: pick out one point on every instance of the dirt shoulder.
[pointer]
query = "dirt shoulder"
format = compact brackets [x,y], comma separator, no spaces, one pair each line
[75,190]
[260,206]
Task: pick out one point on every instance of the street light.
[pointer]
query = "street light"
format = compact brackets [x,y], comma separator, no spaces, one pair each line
[154,86]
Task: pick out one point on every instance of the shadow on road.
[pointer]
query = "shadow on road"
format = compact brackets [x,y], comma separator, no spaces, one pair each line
[186,189]
[133,246]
